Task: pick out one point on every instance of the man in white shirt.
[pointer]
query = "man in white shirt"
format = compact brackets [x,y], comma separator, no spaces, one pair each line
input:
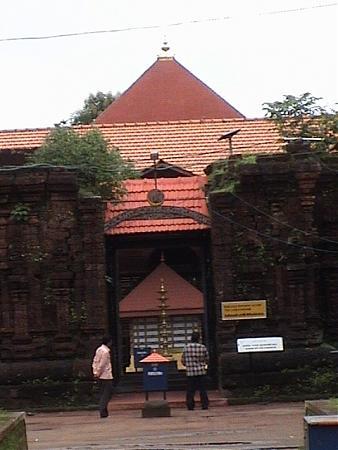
[102,371]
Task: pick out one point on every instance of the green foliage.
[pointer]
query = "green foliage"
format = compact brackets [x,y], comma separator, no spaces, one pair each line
[321,382]
[93,106]
[230,185]
[12,441]
[3,415]
[77,314]
[100,170]
[41,381]
[225,174]
[34,253]
[334,403]
[303,117]
[20,212]
[263,392]
[12,437]
[292,107]
[246,159]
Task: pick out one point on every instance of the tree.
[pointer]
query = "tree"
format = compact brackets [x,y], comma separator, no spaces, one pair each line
[303,117]
[93,106]
[100,170]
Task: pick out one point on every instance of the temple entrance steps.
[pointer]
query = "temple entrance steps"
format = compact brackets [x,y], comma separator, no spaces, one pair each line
[133,382]
[176,399]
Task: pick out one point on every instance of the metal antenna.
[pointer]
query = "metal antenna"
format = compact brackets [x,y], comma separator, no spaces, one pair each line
[229,136]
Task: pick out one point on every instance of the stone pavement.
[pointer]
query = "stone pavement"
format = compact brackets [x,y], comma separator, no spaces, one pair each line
[274,426]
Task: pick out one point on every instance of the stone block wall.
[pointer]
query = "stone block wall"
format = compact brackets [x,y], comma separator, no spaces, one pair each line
[275,237]
[52,275]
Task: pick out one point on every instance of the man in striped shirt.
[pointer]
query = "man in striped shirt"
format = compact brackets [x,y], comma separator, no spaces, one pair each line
[195,358]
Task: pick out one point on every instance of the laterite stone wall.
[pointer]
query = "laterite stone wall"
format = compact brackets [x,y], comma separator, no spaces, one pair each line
[294,267]
[52,275]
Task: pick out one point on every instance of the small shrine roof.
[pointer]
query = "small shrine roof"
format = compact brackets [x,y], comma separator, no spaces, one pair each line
[143,300]
[155,357]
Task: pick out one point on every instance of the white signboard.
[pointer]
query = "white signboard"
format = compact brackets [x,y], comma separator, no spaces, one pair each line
[264,344]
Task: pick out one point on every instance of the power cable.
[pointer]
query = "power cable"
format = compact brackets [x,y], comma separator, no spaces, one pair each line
[173,24]
[56,166]
[307,247]
[323,164]
[279,221]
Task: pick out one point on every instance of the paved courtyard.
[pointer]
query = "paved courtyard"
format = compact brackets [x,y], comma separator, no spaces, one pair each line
[251,427]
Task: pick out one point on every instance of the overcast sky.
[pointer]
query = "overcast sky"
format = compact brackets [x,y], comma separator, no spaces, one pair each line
[250,57]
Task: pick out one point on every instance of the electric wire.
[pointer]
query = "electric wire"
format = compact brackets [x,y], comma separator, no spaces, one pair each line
[57,166]
[323,164]
[279,221]
[307,247]
[169,25]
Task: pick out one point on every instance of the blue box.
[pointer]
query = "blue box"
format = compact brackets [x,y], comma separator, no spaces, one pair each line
[321,432]
[155,377]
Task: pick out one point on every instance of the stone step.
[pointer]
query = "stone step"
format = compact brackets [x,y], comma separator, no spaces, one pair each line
[176,399]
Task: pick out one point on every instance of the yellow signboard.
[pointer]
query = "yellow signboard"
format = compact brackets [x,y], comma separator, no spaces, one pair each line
[249,309]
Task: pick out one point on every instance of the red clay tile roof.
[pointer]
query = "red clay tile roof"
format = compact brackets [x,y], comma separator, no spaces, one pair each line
[26,139]
[191,144]
[167,91]
[155,357]
[143,301]
[183,192]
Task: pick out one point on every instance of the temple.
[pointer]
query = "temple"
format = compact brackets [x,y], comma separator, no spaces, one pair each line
[199,229]
[169,124]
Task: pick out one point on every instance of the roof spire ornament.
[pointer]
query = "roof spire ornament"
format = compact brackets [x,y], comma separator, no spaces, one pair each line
[165,47]
[165,50]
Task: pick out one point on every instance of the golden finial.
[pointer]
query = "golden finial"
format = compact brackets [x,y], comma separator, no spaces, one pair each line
[164,333]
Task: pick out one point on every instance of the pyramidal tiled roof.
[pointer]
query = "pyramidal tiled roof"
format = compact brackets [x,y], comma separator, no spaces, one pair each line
[155,357]
[167,91]
[183,192]
[190,144]
[143,301]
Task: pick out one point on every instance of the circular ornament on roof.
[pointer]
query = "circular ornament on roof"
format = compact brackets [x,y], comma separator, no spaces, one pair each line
[155,197]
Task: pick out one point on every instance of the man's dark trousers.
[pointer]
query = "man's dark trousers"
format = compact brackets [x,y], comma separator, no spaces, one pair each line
[106,391]
[197,383]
